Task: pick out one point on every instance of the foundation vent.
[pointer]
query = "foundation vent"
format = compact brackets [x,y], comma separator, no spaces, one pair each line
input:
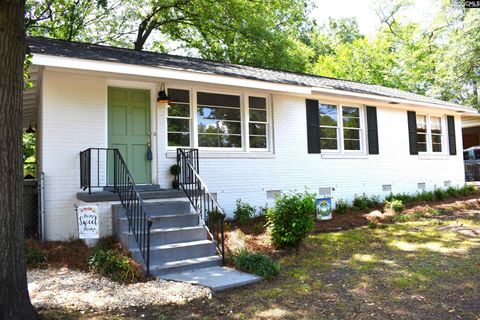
[271,194]
[447,184]
[387,188]
[421,186]
[325,192]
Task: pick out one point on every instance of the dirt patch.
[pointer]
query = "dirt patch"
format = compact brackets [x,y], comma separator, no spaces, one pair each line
[339,222]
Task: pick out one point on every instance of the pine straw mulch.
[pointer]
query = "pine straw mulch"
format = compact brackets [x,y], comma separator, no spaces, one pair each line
[254,236]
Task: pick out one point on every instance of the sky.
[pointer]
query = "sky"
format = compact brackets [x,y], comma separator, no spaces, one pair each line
[364,11]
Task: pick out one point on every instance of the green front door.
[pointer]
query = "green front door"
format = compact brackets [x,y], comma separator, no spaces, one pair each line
[129,129]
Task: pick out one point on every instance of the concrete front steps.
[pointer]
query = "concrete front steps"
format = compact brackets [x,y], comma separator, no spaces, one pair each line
[179,246]
[178,242]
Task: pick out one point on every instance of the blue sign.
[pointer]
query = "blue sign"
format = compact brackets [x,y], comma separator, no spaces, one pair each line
[324,208]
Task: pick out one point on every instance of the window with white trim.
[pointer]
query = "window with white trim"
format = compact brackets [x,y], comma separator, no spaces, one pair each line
[258,122]
[340,127]
[219,120]
[178,118]
[429,134]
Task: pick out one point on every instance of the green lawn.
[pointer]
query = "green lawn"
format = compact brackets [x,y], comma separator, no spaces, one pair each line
[409,270]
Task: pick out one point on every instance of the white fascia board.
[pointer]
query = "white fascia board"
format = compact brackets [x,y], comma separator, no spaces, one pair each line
[130,69]
[319,90]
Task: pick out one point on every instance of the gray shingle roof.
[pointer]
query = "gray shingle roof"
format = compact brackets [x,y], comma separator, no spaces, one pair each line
[78,50]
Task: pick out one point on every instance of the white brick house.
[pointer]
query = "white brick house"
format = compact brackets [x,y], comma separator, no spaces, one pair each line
[250,125]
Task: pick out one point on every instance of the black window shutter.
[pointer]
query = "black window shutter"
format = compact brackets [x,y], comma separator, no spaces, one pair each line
[452,145]
[372,130]
[313,129]
[412,131]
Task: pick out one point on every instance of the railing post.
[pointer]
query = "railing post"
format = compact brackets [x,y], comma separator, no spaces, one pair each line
[223,239]
[148,246]
[114,170]
[89,171]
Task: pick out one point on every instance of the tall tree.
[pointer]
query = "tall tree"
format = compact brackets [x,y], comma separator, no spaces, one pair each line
[14,298]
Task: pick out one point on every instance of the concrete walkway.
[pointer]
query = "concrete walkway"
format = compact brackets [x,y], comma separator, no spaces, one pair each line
[216,278]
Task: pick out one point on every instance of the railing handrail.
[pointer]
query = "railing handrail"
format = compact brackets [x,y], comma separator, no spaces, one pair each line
[201,188]
[141,228]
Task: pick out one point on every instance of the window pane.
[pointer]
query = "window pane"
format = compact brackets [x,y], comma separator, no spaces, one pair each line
[179,139]
[179,125]
[328,144]
[217,140]
[258,142]
[436,138]
[328,133]
[258,128]
[350,122]
[351,112]
[219,113]
[422,147]
[351,144]
[422,138]
[178,95]
[257,103]
[421,123]
[217,99]
[351,134]
[258,115]
[215,126]
[436,147]
[436,123]
[328,115]
[179,110]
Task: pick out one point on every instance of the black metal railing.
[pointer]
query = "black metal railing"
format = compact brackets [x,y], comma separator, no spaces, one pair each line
[210,213]
[108,168]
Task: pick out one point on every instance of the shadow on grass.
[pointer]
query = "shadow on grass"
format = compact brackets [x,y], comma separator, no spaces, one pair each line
[408,270]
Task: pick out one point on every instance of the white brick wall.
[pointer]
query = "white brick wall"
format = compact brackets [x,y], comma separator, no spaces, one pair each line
[75,119]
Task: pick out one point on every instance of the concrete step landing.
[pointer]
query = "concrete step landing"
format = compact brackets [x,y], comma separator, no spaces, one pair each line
[217,278]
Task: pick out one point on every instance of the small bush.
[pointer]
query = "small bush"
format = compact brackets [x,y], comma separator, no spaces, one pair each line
[244,212]
[395,205]
[467,190]
[262,211]
[114,265]
[214,216]
[440,194]
[364,202]
[175,170]
[35,257]
[256,263]
[426,196]
[292,218]
[341,206]
[452,192]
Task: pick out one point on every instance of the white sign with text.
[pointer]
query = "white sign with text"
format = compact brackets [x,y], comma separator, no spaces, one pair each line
[88,222]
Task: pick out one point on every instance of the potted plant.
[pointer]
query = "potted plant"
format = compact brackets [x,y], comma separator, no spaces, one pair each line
[175,171]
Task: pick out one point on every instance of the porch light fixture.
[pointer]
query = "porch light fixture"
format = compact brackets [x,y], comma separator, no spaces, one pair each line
[162,95]
[30,129]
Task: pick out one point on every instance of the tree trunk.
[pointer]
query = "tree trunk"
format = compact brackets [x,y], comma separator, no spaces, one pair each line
[14,299]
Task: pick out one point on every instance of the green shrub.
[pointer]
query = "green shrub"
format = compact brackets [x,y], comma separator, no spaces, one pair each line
[426,196]
[341,206]
[35,257]
[262,211]
[395,205]
[244,212]
[292,218]
[440,194]
[467,190]
[213,216]
[114,265]
[256,263]
[175,169]
[364,202]
[452,192]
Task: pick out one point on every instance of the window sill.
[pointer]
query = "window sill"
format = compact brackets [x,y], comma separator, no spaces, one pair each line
[203,154]
[433,157]
[343,156]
